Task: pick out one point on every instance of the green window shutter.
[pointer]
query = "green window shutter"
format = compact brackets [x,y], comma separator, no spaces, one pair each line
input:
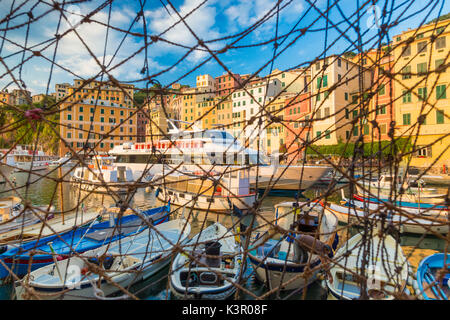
[319,82]
[325,81]
[355,114]
[366,129]
[318,97]
[346,96]
[346,113]
[441,92]
[318,133]
[422,93]
[439,116]
[355,131]
[422,68]
[406,118]
[328,136]
[382,90]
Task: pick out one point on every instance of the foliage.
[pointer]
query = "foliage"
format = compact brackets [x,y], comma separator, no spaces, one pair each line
[347,150]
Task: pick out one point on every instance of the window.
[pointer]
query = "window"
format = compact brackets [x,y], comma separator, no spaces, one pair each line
[355,131]
[92,110]
[440,43]
[80,118]
[69,135]
[327,134]
[282,84]
[406,119]
[422,47]
[318,97]
[346,113]
[423,152]
[406,96]
[317,66]
[339,77]
[69,117]
[422,93]
[346,96]
[406,51]
[438,63]
[440,92]
[339,62]
[383,128]
[81,109]
[382,90]
[355,114]
[354,99]
[318,133]
[422,68]
[406,71]
[325,81]
[102,111]
[419,36]
[366,129]
[381,109]
[439,116]
[319,82]
[102,119]
[326,112]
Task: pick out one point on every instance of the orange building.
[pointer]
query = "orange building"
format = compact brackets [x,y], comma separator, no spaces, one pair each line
[226,84]
[297,112]
[96,116]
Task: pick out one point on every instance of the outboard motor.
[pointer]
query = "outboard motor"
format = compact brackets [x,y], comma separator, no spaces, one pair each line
[212,250]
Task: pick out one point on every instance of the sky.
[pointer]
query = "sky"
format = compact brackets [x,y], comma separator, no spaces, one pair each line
[114,37]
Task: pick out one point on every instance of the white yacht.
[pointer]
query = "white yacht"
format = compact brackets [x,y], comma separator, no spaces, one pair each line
[217,150]
[27,158]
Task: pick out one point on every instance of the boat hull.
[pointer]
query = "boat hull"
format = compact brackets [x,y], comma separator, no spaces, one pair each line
[274,277]
[87,291]
[211,203]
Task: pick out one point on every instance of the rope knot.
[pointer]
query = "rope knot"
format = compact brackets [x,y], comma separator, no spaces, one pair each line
[34,114]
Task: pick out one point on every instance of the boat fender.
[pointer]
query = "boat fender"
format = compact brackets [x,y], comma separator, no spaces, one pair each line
[108,262]
[3,249]
[312,244]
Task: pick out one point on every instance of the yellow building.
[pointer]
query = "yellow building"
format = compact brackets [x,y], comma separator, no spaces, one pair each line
[276,131]
[157,128]
[421,93]
[6,98]
[97,115]
[224,110]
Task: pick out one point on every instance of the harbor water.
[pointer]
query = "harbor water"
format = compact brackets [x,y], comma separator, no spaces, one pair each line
[42,188]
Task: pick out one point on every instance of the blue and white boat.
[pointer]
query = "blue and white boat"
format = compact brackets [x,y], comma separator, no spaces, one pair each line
[433,277]
[279,259]
[404,204]
[210,266]
[386,269]
[103,271]
[29,256]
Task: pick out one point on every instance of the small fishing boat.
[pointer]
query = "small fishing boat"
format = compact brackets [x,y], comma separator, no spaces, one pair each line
[412,191]
[410,206]
[357,213]
[202,191]
[13,214]
[124,262]
[433,277]
[333,176]
[386,268]
[104,176]
[41,252]
[209,266]
[63,162]
[280,259]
